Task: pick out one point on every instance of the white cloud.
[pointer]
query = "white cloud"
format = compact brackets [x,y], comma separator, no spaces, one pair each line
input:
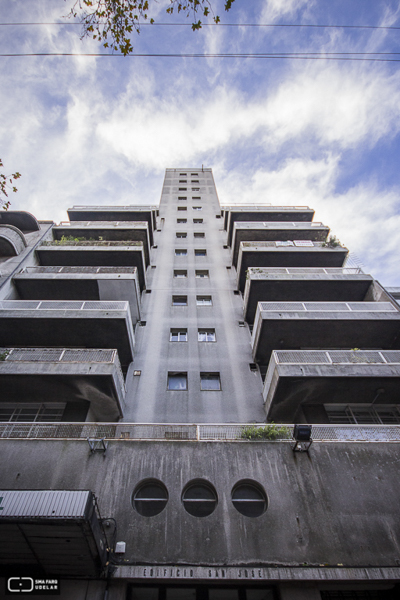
[272,10]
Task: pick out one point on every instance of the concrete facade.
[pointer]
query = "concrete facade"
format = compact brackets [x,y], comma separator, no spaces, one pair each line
[199,495]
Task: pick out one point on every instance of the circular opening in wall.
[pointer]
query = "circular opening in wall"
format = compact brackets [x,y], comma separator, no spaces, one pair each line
[149,498]
[199,498]
[249,498]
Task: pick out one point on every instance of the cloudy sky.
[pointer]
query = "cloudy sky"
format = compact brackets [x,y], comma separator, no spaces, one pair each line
[321,132]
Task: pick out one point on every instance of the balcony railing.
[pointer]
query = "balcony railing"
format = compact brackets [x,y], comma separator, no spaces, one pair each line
[33,270]
[259,272]
[191,432]
[91,243]
[326,307]
[63,305]
[336,357]
[98,224]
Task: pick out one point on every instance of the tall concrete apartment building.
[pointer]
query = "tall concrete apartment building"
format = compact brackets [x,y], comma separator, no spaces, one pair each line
[154,362]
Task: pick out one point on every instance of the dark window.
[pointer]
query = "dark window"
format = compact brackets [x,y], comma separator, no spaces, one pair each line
[177,381]
[179,300]
[181,234]
[180,274]
[204,300]
[210,382]
[199,498]
[182,208]
[199,234]
[180,252]
[150,498]
[181,220]
[249,498]
[200,252]
[204,274]
[197,221]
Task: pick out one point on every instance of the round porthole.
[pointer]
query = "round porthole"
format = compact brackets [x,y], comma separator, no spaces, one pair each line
[249,498]
[199,498]
[150,498]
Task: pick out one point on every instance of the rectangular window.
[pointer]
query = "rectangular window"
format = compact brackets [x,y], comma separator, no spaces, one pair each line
[196,208]
[200,252]
[30,412]
[179,300]
[182,174]
[194,174]
[199,234]
[202,274]
[182,197]
[181,234]
[181,220]
[182,189]
[210,382]
[180,274]
[182,181]
[182,208]
[206,335]
[177,381]
[363,414]
[180,252]
[195,189]
[197,221]
[204,300]
[178,335]
[194,181]
[196,197]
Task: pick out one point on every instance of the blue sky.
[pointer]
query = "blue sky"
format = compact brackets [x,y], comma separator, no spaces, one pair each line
[323,133]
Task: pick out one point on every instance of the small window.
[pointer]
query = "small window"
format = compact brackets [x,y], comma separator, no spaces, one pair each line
[180,273]
[199,498]
[210,382]
[182,189]
[196,197]
[182,181]
[182,208]
[206,335]
[204,300]
[182,197]
[180,252]
[200,252]
[178,335]
[195,189]
[236,292]
[197,207]
[150,498]
[181,220]
[181,234]
[194,181]
[199,234]
[194,174]
[197,221]
[179,300]
[177,381]
[249,498]
[182,174]
[202,274]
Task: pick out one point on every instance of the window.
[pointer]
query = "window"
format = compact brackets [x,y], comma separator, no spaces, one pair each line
[183,181]
[206,335]
[177,381]
[194,181]
[197,207]
[179,300]
[196,197]
[210,382]
[202,274]
[363,414]
[180,274]
[200,252]
[204,300]
[182,197]
[182,189]
[199,498]
[195,189]
[181,220]
[197,220]
[199,234]
[180,251]
[182,208]
[182,174]
[181,234]
[150,498]
[249,498]
[194,174]
[30,412]
[178,335]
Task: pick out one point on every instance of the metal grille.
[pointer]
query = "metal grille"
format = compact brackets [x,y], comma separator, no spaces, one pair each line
[59,304]
[373,306]
[282,306]
[299,270]
[337,356]
[89,356]
[391,356]
[355,356]
[302,356]
[103,305]
[63,305]
[12,304]
[328,306]
[80,355]
[34,354]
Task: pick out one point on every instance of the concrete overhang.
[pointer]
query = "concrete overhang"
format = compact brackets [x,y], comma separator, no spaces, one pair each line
[307,285]
[83,379]
[275,232]
[347,325]
[94,254]
[74,324]
[264,213]
[299,378]
[116,213]
[137,231]
[271,254]
[81,283]
[20,219]
[12,240]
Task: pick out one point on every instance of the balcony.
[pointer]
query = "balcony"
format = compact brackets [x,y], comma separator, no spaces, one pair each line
[300,325]
[306,284]
[264,213]
[118,231]
[287,254]
[82,380]
[29,323]
[20,219]
[81,283]
[299,383]
[12,241]
[116,213]
[93,254]
[276,232]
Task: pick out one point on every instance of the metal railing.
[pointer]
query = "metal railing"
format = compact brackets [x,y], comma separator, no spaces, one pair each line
[336,357]
[129,270]
[260,271]
[61,243]
[327,306]
[98,224]
[279,224]
[63,305]
[99,208]
[192,432]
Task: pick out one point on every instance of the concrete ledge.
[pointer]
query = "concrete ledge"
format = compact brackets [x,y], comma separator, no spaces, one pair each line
[12,240]
[20,219]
